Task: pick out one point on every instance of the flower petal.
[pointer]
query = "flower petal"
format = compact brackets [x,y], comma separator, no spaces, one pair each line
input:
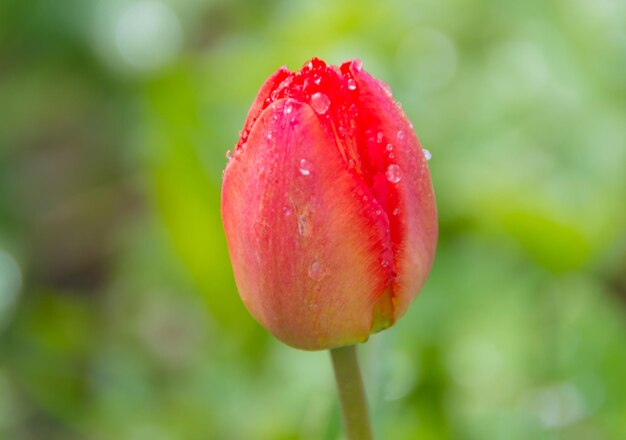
[306,246]
[406,192]
[261,101]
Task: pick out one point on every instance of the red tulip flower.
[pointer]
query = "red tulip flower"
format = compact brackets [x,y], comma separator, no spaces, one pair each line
[328,207]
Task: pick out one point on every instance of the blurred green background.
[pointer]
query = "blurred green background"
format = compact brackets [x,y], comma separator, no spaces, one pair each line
[119,318]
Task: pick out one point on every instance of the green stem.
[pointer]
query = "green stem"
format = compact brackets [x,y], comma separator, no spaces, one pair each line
[351,393]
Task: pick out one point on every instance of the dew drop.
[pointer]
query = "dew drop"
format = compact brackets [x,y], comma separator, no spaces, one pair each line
[385,88]
[320,103]
[305,167]
[427,154]
[384,262]
[316,271]
[303,226]
[400,135]
[353,110]
[351,84]
[393,173]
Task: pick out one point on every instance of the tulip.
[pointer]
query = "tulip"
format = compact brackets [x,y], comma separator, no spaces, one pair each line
[328,207]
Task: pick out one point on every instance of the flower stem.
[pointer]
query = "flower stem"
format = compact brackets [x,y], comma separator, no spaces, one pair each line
[351,393]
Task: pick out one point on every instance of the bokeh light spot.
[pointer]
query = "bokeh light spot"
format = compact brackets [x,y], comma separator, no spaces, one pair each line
[148,34]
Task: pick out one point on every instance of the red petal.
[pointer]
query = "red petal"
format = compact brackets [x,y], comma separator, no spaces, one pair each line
[261,101]
[409,202]
[305,245]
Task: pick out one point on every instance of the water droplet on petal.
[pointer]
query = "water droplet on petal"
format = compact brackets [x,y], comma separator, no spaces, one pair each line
[320,103]
[303,226]
[305,167]
[385,88]
[351,84]
[400,135]
[393,173]
[316,271]
[353,110]
[427,154]
[384,262]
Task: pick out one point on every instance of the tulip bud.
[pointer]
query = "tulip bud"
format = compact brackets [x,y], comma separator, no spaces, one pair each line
[328,207]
